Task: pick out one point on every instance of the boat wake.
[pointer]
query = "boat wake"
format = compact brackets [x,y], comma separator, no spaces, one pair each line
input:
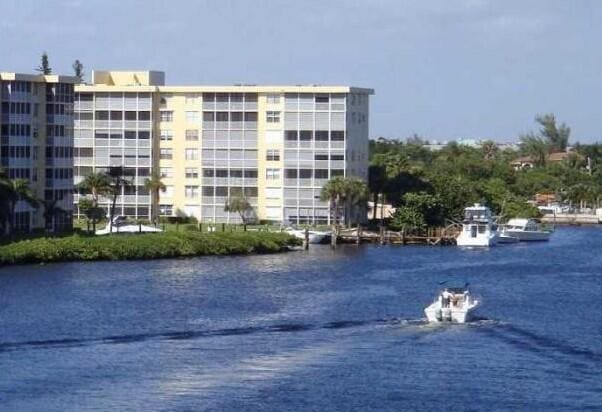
[197,334]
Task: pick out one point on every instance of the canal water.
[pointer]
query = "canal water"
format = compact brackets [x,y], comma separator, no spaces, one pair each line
[317,330]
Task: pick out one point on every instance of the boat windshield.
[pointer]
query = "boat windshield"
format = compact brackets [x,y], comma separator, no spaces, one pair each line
[476,214]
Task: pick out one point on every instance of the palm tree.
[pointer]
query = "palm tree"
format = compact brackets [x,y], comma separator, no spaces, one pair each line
[356,194]
[117,182]
[334,192]
[377,180]
[51,211]
[154,185]
[96,184]
[12,191]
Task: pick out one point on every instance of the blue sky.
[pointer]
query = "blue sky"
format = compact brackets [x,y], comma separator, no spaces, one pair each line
[441,69]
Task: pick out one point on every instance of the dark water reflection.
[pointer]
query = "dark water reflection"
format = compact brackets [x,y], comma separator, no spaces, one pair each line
[317,330]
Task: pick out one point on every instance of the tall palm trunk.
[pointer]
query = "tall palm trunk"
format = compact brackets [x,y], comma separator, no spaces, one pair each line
[375,207]
[113,204]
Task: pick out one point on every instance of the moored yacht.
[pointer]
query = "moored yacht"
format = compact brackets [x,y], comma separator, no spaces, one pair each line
[452,305]
[526,230]
[478,227]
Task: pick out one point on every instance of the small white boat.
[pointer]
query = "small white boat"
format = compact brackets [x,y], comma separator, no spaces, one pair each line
[478,227]
[315,236]
[452,305]
[526,230]
[128,229]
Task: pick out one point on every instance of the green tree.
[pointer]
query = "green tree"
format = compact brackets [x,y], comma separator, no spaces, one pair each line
[240,205]
[557,136]
[44,67]
[418,211]
[535,147]
[377,180]
[154,185]
[51,212]
[117,182]
[78,70]
[11,192]
[334,192]
[95,184]
[355,196]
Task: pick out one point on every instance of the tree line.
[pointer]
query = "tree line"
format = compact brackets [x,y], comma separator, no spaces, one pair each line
[431,188]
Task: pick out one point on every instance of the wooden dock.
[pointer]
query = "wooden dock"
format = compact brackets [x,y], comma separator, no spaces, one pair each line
[431,237]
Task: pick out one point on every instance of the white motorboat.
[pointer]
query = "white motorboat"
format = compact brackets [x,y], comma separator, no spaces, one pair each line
[315,236]
[452,305]
[128,229]
[526,230]
[478,227]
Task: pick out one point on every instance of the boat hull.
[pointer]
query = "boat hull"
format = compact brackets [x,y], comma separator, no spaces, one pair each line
[479,241]
[435,314]
[529,236]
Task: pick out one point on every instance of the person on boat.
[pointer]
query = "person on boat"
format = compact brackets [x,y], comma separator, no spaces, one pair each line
[445,298]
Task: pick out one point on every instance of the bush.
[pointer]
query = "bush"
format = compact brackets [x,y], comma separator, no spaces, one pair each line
[143,246]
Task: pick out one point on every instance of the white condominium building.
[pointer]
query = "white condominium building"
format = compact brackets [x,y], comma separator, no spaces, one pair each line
[274,145]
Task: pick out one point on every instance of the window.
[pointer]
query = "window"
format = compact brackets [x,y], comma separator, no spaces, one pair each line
[166,116]
[273,98]
[208,173]
[165,154]
[192,135]
[144,115]
[321,135]
[290,173]
[192,173]
[272,174]
[337,172]
[272,155]
[166,135]
[250,173]
[166,210]
[208,116]
[192,154]
[166,172]
[191,191]
[337,157]
[305,173]
[321,157]
[305,135]
[337,135]
[221,191]
[208,191]
[291,135]
[221,172]
[192,117]
[321,99]
[321,173]
[272,117]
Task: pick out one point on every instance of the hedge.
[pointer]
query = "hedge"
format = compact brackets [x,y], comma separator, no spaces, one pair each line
[143,246]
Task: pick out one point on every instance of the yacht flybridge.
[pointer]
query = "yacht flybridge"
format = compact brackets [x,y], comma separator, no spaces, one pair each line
[452,305]
[478,227]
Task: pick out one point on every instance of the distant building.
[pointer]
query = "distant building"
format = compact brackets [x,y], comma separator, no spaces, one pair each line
[36,143]
[527,162]
[275,145]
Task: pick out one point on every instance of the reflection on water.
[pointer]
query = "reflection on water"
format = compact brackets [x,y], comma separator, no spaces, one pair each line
[316,330]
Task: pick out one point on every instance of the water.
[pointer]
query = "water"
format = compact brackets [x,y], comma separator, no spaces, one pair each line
[317,330]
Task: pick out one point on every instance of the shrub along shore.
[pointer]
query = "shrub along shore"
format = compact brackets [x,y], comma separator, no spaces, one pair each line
[143,246]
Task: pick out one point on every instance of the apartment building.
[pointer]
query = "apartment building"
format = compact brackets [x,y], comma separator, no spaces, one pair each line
[36,144]
[274,145]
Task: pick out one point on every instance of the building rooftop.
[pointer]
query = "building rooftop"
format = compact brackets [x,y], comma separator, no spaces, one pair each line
[149,81]
[38,78]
